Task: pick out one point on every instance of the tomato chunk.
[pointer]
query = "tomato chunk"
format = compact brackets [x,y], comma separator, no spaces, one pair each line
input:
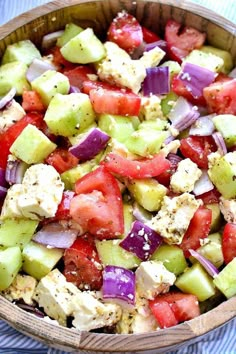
[198,229]
[163,313]
[116,102]
[97,207]
[149,36]
[181,41]
[62,160]
[137,168]
[180,89]
[78,75]
[229,242]
[32,102]
[126,32]
[63,210]
[210,197]
[82,264]
[197,148]
[89,85]
[58,60]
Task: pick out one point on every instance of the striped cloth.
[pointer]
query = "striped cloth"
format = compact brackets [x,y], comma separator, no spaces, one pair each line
[220,341]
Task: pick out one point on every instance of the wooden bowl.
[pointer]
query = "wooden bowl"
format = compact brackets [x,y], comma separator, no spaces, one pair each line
[98,14]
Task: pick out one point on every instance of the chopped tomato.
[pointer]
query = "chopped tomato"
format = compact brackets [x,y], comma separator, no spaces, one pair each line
[197,148]
[181,41]
[32,102]
[164,177]
[58,60]
[97,207]
[82,264]
[149,36]
[78,75]
[229,242]
[163,313]
[8,137]
[181,89]
[63,210]
[62,160]
[210,197]
[116,102]
[198,229]
[89,85]
[221,97]
[126,32]
[137,168]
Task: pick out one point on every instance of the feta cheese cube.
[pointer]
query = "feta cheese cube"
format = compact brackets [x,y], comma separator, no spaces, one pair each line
[152,278]
[174,217]
[151,108]
[152,58]
[10,114]
[186,175]
[22,288]
[228,209]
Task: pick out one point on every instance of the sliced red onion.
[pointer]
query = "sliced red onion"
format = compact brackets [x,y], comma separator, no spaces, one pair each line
[160,44]
[56,236]
[74,89]
[219,140]
[233,73]
[37,68]
[3,181]
[204,126]
[209,267]
[169,139]
[141,214]
[195,78]
[90,144]
[174,158]
[203,185]
[157,81]
[187,121]
[3,192]
[50,39]
[31,309]
[15,171]
[119,285]
[7,98]
[141,240]
[183,115]
[138,52]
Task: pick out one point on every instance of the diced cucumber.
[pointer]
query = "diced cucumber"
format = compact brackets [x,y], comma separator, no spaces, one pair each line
[13,75]
[226,125]
[196,281]
[24,51]
[213,249]
[128,217]
[49,84]
[69,177]
[168,102]
[216,216]
[75,139]
[172,257]
[225,281]
[226,56]
[10,264]
[71,30]
[174,67]
[39,260]
[110,253]
[32,146]
[118,127]
[147,192]
[157,124]
[84,48]
[207,60]
[212,302]
[17,232]
[68,114]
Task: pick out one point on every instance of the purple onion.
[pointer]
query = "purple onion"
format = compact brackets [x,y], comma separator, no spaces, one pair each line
[3,181]
[174,158]
[37,68]
[209,267]
[55,235]
[15,171]
[160,44]
[138,52]
[7,98]
[74,89]
[157,81]
[187,121]
[183,115]
[3,192]
[219,140]
[203,185]
[195,78]
[141,214]
[141,241]
[90,145]
[119,285]
[31,309]
[50,39]
[203,127]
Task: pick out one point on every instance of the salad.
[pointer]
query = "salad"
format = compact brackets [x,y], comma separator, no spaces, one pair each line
[117,176]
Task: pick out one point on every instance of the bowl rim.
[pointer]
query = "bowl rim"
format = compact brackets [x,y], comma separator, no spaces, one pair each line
[74,339]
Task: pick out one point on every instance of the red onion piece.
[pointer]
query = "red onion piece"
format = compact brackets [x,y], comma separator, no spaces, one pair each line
[195,78]
[188,120]
[37,68]
[74,89]
[183,115]
[160,44]
[55,235]
[3,192]
[31,309]
[233,73]
[90,145]
[3,181]
[7,98]
[157,81]
[141,214]
[119,285]
[209,267]
[174,158]
[219,140]
[141,240]
[138,52]
[203,185]
[204,126]
[15,171]
[50,39]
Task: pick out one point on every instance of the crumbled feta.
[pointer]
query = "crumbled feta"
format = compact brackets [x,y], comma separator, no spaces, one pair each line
[153,57]
[22,288]
[172,147]
[213,158]
[38,196]
[151,108]
[10,115]
[173,219]
[228,209]
[152,278]
[185,177]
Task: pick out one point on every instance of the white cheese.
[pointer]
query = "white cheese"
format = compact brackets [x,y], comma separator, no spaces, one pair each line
[228,209]
[151,108]
[10,115]
[22,288]
[152,58]
[185,177]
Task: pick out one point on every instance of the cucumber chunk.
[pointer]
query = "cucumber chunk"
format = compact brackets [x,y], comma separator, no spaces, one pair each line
[168,102]
[10,264]
[71,30]
[226,125]
[13,75]
[24,51]
[213,249]
[208,60]
[118,127]
[226,56]
[17,232]
[216,216]
[225,281]
[172,257]
[69,177]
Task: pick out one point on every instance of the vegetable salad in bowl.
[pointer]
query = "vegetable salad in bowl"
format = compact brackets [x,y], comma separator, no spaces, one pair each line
[117,172]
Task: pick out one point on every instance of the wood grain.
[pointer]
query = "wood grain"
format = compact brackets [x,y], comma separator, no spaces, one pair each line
[98,14]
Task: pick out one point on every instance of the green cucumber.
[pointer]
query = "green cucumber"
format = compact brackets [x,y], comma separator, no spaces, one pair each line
[10,264]
[24,51]
[13,75]
[226,125]
[69,177]
[71,30]
[174,67]
[223,54]
[213,249]
[128,217]
[216,216]
[168,103]
[225,281]
[208,60]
